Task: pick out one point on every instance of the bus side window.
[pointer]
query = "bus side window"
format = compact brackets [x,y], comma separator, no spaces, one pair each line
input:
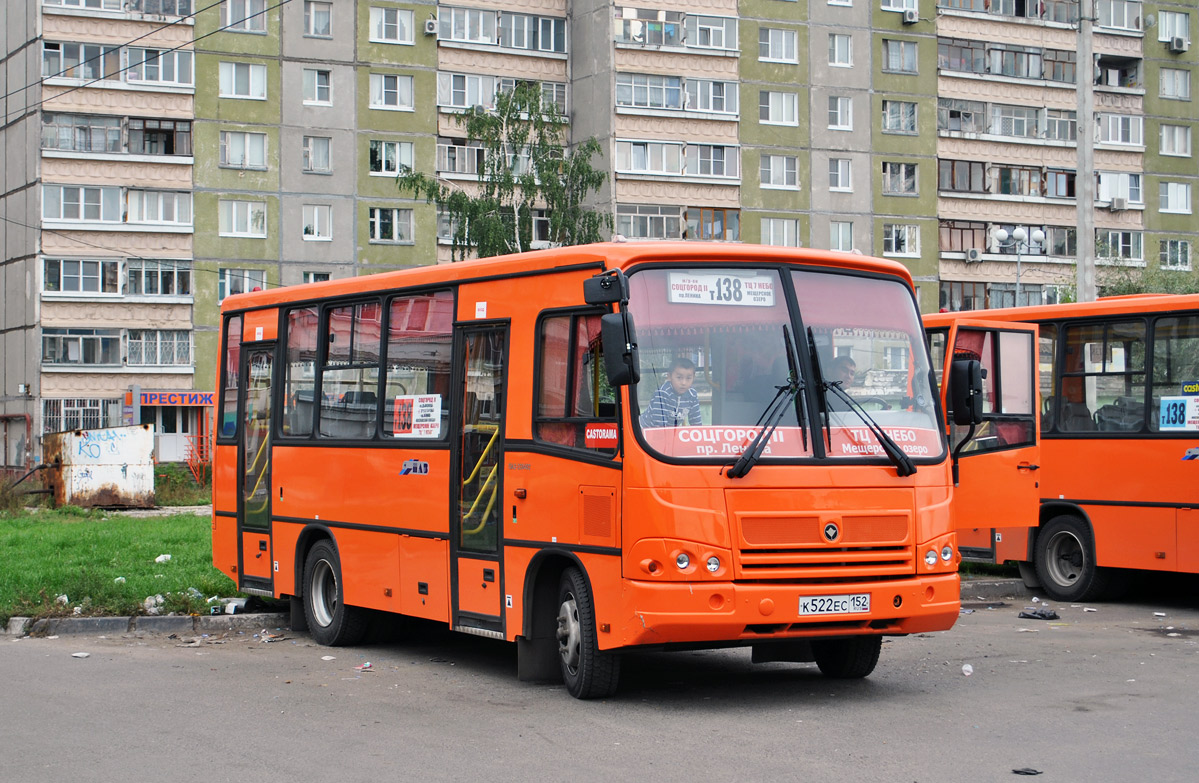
[1175,360]
[232,367]
[350,375]
[572,390]
[417,366]
[300,371]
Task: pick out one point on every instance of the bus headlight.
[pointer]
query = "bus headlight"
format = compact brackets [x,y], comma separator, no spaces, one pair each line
[713,564]
[946,553]
[930,557]
[683,561]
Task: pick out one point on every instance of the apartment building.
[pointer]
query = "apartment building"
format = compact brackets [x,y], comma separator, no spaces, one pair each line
[98,221]
[945,134]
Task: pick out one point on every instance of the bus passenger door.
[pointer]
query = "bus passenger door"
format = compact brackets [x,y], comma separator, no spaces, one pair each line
[254,498]
[996,500]
[476,573]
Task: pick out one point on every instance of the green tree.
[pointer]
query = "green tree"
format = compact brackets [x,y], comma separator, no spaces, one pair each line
[1150,279]
[524,165]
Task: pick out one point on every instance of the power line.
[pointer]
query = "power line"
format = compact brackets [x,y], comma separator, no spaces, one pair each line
[25,109]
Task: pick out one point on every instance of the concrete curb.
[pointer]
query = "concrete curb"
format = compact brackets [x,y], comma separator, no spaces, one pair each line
[116,626]
[973,591]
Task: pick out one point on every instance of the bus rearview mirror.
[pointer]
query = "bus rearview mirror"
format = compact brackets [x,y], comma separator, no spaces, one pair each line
[621,360]
[966,390]
[608,288]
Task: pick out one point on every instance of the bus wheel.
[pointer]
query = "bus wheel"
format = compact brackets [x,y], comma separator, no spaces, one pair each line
[1066,561]
[330,621]
[850,658]
[587,672]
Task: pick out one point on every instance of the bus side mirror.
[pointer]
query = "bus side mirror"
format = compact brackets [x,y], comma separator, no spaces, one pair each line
[608,288]
[619,339]
[966,390]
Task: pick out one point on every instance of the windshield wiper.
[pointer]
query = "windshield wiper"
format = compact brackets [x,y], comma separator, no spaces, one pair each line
[788,394]
[821,398]
[903,463]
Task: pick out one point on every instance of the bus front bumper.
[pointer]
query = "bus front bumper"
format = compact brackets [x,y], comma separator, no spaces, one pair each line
[721,613]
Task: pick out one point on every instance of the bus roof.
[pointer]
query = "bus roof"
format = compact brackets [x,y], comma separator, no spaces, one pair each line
[1108,305]
[608,255]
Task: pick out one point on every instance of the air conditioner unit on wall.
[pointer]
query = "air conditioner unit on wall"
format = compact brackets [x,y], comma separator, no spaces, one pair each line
[1178,44]
[1118,204]
[974,255]
[911,16]
[430,27]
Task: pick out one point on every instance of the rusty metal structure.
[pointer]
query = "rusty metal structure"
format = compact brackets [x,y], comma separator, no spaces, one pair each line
[105,468]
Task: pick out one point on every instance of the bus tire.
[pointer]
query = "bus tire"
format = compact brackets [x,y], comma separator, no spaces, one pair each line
[849,658]
[1065,561]
[330,621]
[587,672]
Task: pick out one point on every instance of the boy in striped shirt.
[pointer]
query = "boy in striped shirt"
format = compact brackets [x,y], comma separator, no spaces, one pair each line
[675,403]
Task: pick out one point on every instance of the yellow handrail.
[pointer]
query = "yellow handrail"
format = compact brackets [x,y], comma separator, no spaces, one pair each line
[490,502]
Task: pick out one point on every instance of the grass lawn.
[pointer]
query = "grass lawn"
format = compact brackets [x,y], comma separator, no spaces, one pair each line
[104,563]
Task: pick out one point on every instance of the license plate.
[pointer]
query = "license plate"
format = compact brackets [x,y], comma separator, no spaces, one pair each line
[854,603]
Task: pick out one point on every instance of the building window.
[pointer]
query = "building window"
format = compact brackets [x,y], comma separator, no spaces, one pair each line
[959,296]
[69,276]
[160,206]
[707,223]
[243,150]
[961,55]
[1016,180]
[464,90]
[649,91]
[81,133]
[158,278]
[158,66]
[1175,84]
[840,235]
[776,45]
[901,240]
[647,221]
[958,236]
[391,25]
[1119,245]
[534,33]
[390,158]
[318,222]
[390,225]
[239,281]
[1119,14]
[1172,24]
[712,160]
[710,32]
[899,56]
[840,50]
[159,347]
[1018,62]
[81,61]
[961,176]
[1061,125]
[101,5]
[778,108]
[242,218]
[243,80]
[780,171]
[1176,140]
[959,116]
[1059,183]
[87,347]
[244,16]
[712,96]
[1060,65]
[1175,254]
[1121,129]
[840,113]
[900,5]
[840,174]
[71,202]
[314,277]
[467,25]
[899,117]
[160,137]
[1175,197]
[80,414]
[649,157]
[318,19]
[1061,241]
[1119,184]
[316,154]
[1018,121]
[899,178]
[456,156]
[318,86]
[648,27]
[781,232]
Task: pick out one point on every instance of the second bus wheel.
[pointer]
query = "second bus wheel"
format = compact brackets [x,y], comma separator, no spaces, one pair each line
[1066,561]
[330,621]
[587,672]
[849,658]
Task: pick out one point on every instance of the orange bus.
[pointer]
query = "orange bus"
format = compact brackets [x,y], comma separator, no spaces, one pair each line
[1118,470]
[594,449]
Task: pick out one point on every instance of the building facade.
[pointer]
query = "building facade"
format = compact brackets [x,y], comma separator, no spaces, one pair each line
[158,160]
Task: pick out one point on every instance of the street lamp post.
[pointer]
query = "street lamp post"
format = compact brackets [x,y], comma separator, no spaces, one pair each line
[1019,237]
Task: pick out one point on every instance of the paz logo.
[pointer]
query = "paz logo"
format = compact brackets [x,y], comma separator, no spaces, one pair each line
[415,467]
[1191,454]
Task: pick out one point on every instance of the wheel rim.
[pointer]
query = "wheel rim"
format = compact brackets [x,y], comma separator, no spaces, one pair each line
[1066,558]
[323,593]
[569,634]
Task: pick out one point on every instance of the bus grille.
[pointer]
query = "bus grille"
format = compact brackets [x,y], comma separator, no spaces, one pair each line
[795,547]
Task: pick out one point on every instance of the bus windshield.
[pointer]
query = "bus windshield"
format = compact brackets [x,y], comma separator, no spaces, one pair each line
[714,356]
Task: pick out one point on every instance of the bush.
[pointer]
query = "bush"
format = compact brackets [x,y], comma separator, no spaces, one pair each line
[174,485]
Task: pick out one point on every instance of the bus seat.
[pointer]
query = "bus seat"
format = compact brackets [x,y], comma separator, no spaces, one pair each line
[359,397]
[1047,417]
[1123,414]
[1076,417]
